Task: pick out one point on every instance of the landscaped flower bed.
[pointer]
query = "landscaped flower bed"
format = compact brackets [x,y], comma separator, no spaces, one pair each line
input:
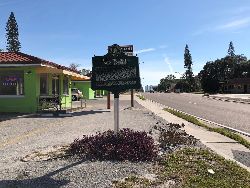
[127,144]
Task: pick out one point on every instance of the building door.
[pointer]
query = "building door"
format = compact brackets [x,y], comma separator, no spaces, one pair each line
[55,85]
[245,88]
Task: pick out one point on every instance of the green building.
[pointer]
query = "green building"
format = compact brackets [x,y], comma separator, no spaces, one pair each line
[28,83]
[85,87]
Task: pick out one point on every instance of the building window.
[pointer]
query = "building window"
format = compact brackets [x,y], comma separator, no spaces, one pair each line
[12,82]
[65,86]
[44,89]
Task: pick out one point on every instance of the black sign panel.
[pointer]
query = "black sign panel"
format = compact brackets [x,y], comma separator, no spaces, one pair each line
[115,72]
[126,49]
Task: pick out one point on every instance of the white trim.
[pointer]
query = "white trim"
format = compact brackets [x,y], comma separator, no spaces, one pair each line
[11,96]
[19,65]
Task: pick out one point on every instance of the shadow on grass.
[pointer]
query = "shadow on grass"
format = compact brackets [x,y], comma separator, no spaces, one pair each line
[39,182]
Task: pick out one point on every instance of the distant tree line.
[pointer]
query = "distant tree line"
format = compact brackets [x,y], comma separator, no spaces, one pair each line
[217,72]
[213,74]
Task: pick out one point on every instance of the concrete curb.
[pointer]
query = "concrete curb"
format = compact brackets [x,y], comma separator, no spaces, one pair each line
[228,99]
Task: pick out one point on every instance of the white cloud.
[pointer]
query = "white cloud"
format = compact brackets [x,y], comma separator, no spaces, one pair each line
[163,46]
[234,24]
[167,60]
[145,50]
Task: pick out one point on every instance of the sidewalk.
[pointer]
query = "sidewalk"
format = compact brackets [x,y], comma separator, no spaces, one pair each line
[220,144]
[238,98]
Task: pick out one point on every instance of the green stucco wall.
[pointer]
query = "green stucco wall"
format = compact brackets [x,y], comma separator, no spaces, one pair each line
[28,103]
[85,88]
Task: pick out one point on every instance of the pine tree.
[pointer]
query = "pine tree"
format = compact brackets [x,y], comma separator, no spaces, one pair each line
[230,51]
[188,65]
[13,44]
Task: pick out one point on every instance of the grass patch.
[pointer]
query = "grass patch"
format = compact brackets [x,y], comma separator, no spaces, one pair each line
[132,181]
[141,97]
[198,92]
[222,131]
[190,167]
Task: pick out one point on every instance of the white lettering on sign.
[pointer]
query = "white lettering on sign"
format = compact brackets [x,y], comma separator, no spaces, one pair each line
[115,62]
[122,73]
[115,83]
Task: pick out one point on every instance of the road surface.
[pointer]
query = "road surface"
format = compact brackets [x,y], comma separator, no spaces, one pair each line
[231,114]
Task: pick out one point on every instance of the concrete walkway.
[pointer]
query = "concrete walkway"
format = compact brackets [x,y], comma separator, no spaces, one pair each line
[220,144]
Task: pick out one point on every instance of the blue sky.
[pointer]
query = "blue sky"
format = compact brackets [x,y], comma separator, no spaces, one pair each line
[66,31]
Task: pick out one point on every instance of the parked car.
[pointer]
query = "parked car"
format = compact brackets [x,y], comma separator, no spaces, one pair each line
[76,94]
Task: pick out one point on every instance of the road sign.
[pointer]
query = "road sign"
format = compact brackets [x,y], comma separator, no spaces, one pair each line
[115,71]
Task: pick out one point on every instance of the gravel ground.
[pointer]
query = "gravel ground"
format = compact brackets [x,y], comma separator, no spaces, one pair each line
[71,173]
[22,136]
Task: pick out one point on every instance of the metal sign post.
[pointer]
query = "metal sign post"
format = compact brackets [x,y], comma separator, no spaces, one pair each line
[132,98]
[116,112]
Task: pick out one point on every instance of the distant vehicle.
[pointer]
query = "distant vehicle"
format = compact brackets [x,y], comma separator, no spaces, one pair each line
[151,91]
[76,94]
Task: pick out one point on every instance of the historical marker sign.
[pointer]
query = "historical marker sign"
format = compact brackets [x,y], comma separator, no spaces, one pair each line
[115,71]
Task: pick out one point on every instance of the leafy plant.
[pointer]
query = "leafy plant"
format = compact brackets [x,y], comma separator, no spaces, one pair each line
[141,97]
[175,137]
[127,144]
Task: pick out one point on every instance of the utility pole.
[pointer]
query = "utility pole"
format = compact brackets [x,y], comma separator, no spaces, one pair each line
[108,100]
[132,98]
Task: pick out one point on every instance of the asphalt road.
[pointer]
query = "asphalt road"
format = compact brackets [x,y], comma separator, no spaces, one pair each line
[231,114]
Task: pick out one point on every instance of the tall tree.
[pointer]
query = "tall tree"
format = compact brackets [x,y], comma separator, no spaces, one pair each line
[188,65]
[230,50]
[13,43]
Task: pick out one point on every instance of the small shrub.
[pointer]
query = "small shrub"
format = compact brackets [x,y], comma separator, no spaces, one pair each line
[141,97]
[175,137]
[126,145]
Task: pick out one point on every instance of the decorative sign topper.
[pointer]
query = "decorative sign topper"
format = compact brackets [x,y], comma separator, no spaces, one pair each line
[115,71]
[127,49]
